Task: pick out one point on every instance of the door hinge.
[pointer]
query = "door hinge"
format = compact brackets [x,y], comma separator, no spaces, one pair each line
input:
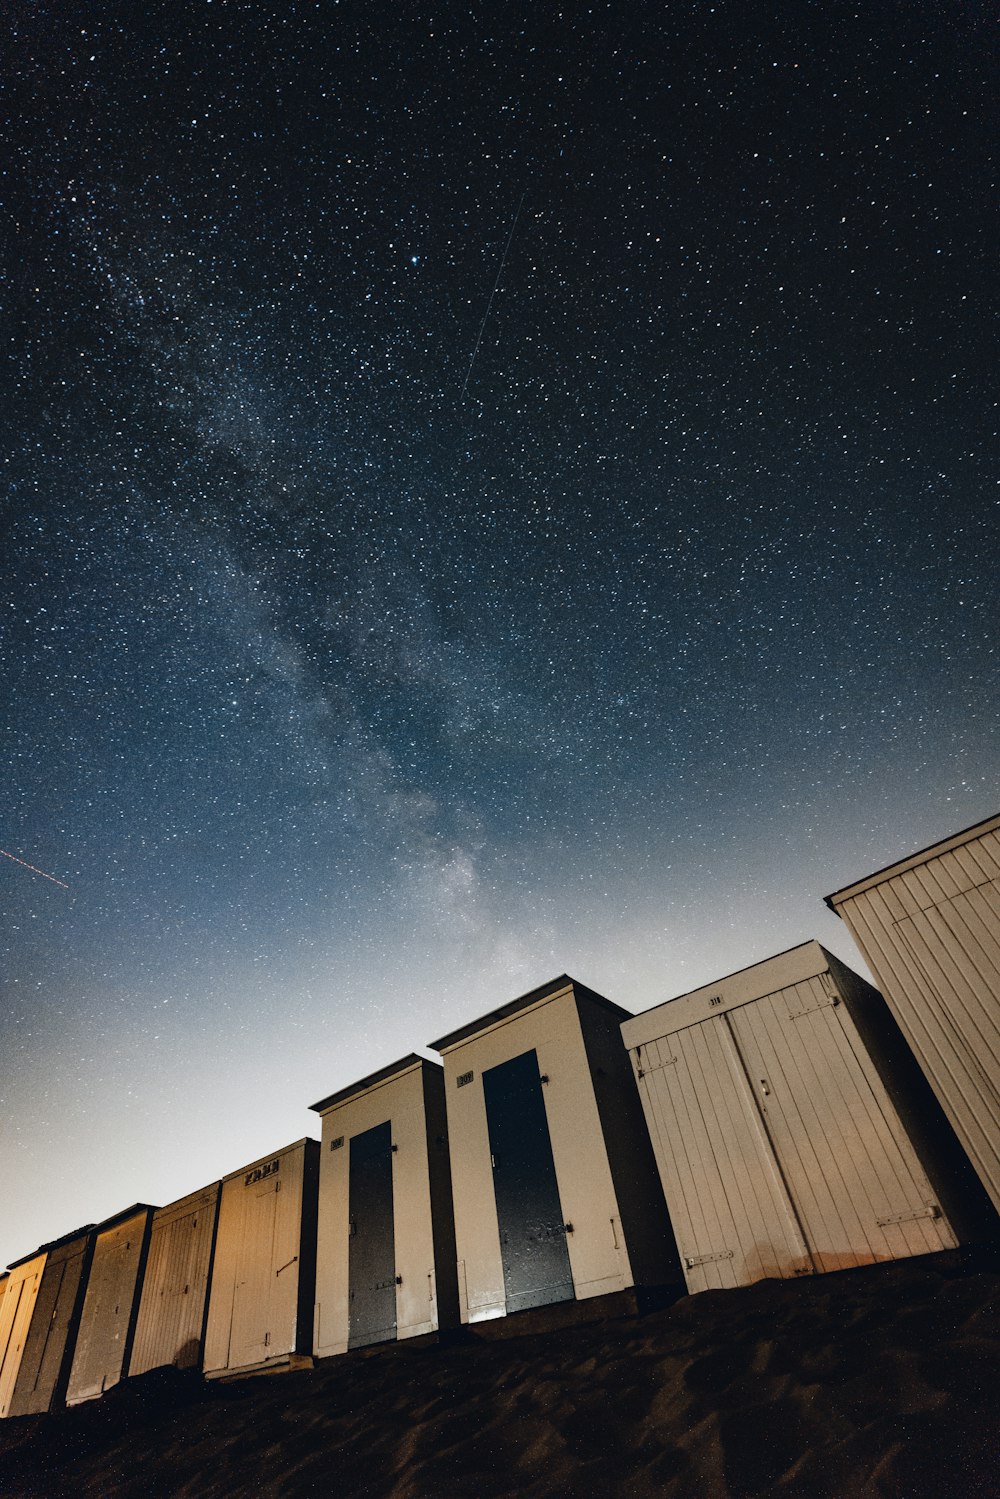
[691,1260]
[657,1066]
[931,1211]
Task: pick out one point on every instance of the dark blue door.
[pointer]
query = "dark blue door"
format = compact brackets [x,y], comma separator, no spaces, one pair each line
[372,1255]
[536,1266]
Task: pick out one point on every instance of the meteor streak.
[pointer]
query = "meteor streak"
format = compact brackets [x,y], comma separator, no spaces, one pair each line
[25,865]
[496,284]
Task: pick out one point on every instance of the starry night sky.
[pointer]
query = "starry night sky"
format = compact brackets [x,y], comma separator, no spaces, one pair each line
[354,684]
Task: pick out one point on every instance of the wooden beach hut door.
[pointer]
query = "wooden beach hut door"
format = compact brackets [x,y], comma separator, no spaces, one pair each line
[250,1338]
[372,1248]
[733,1217]
[21,1295]
[36,1350]
[536,1267]
[784,1154]
[854,1177]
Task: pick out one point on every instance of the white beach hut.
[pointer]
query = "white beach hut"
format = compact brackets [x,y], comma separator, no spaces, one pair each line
[386,1242]
[929,929]
[17,1303]
[260,1306]
[111,1302]
[48,1351]
[171,1324]
[555,1188]
[792,1131]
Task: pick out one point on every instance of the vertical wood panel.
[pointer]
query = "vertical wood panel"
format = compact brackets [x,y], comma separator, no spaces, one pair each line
[676,1148]
[796,1121]
[721,1186]
[175,1285]
[931,934]
[909,993]
[775,1135]
[260,1254]
[256,1268]
[964,994]
[18,1303]
[108,1308]
[44,1363]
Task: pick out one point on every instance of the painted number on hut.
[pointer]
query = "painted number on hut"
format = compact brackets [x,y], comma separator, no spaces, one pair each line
[259,1172]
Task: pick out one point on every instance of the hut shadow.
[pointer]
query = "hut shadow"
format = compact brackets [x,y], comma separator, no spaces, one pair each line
[188,1355]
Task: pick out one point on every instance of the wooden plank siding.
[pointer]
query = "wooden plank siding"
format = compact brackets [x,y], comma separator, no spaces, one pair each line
[107,1323]
[929,929]
[780,1150]
[44,1370]
[721,1185]
[170,1326]
[847,1160]
[16,1306]
[260,1303]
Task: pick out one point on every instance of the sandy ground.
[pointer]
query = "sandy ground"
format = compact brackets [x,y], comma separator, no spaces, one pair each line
[875,1382]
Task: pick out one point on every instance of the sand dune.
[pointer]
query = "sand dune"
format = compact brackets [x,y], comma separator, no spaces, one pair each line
[881,1382]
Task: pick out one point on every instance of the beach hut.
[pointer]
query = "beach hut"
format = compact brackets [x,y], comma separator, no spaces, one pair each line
[170,1328]
[555,1189]
[792,1131]
[929,929]
[260,1306]
[111,1302]
[44,1371]
[16,1308]
[385,1266]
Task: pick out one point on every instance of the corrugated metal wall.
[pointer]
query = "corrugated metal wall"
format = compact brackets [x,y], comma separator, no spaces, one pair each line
[929,930]
[110,1305]
[170,1326]
[779,1149]
[44,1363]
[16,1308]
